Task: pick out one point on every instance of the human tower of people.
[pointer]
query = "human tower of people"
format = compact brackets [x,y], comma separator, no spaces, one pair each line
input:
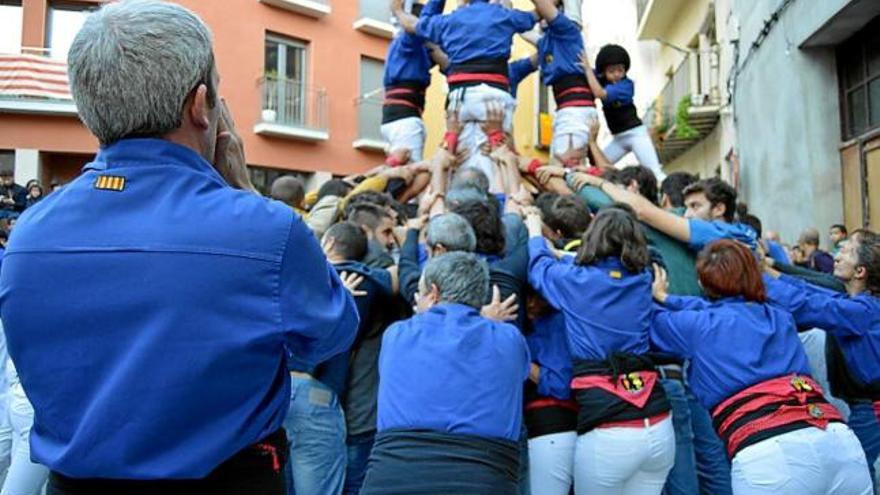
[478,322]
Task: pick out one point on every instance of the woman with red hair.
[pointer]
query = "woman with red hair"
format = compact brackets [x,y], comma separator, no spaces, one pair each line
[748,367]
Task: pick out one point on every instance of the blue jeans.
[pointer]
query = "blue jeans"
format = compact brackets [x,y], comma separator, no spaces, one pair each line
[525,487]
[682,479]
[316,431]
[713,466]
[864,423]
[359,447]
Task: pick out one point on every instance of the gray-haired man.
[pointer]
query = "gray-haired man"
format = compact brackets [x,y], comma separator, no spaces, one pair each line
[151,309]
[450,390]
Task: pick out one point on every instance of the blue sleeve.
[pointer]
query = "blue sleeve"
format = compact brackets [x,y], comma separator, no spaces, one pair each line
[515,232]
[522,21]
[622,91]
[317,313]
[431,28]
[814,306]
[519,70]
[410,272]
[552,383]
[432,8]
[673,331]
[703,232]
[563,27]
[777,253]
[546,273]
[595,198]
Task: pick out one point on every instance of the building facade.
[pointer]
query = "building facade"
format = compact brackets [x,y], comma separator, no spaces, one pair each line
[780,98]
[303,79]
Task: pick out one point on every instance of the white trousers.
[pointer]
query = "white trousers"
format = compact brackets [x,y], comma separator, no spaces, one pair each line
[571,128]
[637,141]
[551,463]
[471,102]
[24,477]
[809,461]
[408,133]
[624,461]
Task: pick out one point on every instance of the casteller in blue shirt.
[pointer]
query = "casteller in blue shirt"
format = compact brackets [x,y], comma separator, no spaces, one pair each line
[452,371]
[732,344]
[607,308]
[478,30]
[559,50]
[150,307]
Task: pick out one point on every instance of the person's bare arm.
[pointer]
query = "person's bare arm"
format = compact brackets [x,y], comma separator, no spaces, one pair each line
[662,220]
[592,80]
[438,56]
[599,158]
[407,21]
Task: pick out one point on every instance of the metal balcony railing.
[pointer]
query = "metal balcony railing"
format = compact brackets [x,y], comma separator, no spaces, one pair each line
[379,10]
[691,99]
[369,111]
[291,103]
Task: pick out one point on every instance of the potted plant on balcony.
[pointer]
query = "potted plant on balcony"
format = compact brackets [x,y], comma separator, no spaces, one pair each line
[270,97]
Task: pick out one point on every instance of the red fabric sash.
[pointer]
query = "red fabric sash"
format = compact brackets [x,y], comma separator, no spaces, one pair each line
[551,402]
[767,393]
[634,388]
[475,77]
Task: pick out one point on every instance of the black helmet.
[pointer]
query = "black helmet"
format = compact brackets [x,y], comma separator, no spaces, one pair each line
[612,55]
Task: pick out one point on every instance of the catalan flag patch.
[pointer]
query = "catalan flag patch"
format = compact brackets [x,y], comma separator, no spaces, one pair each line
[110,183]
[615,274]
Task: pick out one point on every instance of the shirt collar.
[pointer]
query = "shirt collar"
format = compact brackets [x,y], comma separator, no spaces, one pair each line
[448,308]
[147,151]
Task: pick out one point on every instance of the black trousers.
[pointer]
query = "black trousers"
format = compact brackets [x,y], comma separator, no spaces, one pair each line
[256,470]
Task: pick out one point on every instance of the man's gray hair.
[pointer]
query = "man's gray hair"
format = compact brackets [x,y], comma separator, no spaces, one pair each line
[470,177]
[462,278]
[133,65]
[810,236]
[453,232]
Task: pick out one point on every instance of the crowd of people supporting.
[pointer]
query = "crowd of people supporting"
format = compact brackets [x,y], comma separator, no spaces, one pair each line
[476,322]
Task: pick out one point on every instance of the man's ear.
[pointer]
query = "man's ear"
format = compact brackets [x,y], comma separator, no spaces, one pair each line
[434,293]
[718,210]
[860,273]
[199,111]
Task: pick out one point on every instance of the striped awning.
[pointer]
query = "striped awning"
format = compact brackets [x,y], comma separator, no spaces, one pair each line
[37,76]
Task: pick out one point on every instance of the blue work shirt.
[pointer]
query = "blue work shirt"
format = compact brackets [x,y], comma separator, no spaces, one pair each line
[453,371]
[548,346]
[621,92]
[607,308]
[854,320]
[703,232]
[479,30]
[519,70]
[559,50]
[150,308]
[732,344]
[408,59]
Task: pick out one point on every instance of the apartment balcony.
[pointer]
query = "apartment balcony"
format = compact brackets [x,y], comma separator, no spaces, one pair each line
[369,112]
[655,17]
[31,82]
[375,19]
[291,110]
[311,8]
[689,106]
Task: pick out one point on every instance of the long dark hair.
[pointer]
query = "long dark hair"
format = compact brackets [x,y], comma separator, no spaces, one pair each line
[615,233]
